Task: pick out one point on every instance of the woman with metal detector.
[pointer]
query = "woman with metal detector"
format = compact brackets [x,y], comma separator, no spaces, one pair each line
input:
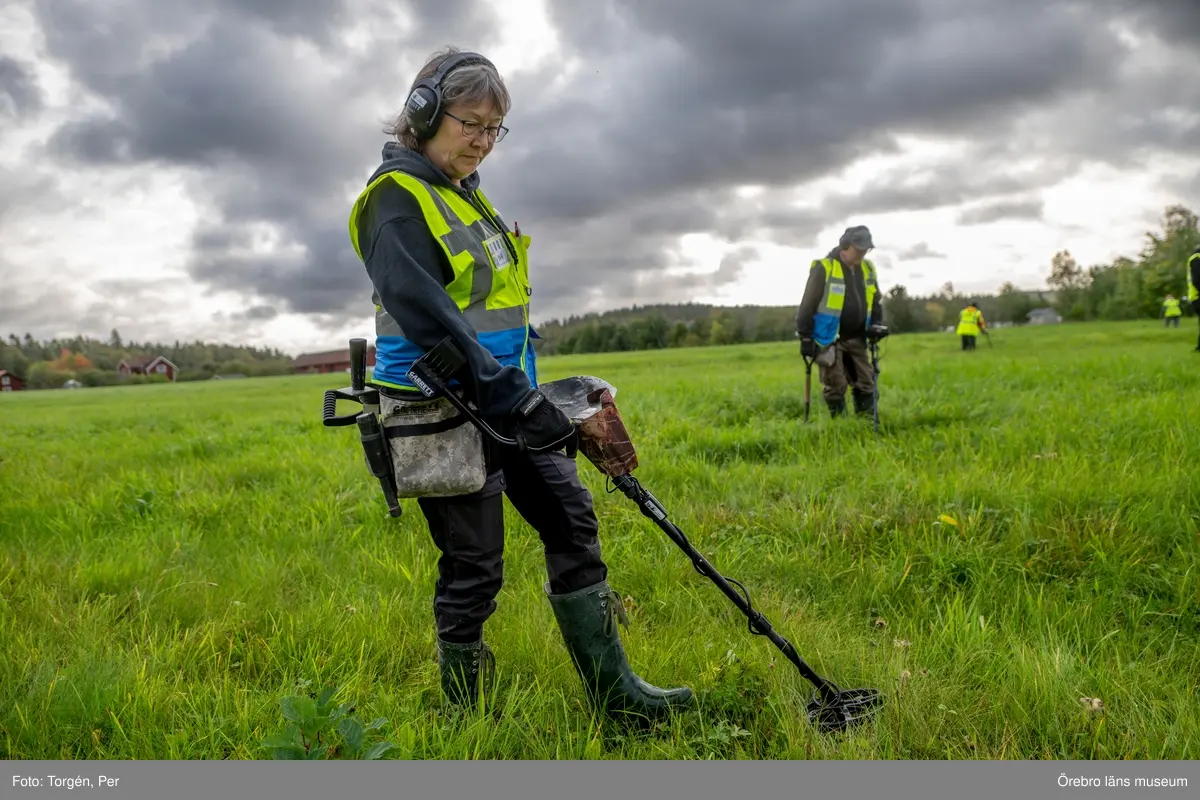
[446,266]
[589,403]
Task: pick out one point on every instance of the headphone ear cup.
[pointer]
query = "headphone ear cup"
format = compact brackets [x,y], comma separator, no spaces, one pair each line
[424,109]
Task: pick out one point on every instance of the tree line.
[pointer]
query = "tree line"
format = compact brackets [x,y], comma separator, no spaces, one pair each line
[1128,288]
[93,362]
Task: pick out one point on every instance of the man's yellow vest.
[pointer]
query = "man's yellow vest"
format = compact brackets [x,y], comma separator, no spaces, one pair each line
[968,321]
[1171,308]
[829,313]
[490,283]
[1193,290]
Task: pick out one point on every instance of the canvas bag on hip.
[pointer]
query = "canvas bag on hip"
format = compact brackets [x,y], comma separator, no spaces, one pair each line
[436,451]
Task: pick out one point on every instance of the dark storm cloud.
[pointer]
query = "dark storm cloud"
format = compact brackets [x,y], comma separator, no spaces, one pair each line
[918,251]
[1002,209]
[20,93]
[1176,21]
[708,96]
[276,144]
[634,134]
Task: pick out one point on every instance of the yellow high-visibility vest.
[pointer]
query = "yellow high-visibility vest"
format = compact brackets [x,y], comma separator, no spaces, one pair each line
[829,313]
[970,321]
[489,286]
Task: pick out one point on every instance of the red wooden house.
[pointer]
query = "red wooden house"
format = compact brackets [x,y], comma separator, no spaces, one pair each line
[147,365]
[10,382]
[328,361]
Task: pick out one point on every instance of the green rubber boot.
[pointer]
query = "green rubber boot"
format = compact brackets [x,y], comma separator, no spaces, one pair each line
[588,620]
[466,671]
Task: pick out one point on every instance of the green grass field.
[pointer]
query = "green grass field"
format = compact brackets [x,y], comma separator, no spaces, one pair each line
[1023,534]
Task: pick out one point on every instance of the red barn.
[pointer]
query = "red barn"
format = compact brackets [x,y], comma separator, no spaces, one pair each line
[328,361]
[10,382]
[147,365]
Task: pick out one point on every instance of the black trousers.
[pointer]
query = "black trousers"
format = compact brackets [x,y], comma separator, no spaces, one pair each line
[469,531]
[968,342]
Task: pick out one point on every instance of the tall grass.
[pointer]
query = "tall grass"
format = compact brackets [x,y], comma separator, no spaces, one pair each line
[1022,534]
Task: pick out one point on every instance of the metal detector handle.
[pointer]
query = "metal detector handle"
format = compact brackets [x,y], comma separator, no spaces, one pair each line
[358,364]
[329,416]
[431,374]
[474,418]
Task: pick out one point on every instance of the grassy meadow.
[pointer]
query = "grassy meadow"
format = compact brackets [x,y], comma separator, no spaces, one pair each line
[175,560]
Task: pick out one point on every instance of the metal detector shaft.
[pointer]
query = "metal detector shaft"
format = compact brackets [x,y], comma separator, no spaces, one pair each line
[807,387]
[652,508]
[875,334]
[875,397]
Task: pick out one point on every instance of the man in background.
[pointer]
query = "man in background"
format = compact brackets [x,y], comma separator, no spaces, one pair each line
[1171,311]
[841,300]
[970,324]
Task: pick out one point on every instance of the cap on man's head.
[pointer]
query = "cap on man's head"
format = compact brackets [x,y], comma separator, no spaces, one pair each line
[859,236]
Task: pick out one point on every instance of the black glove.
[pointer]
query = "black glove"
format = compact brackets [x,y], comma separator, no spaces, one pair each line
[540,426]
[808,348]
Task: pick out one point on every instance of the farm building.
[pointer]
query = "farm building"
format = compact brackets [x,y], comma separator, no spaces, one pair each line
[10,382]
[1043,316]
[147,365]
[328,361]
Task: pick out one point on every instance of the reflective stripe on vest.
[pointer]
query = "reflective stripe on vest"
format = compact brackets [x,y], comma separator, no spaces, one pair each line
[489,286]
[1193,289]
[829,313]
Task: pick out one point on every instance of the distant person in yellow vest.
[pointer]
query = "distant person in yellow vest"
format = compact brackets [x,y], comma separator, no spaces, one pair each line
[841,301]
[1171,311]
[1193,295]
[970,324]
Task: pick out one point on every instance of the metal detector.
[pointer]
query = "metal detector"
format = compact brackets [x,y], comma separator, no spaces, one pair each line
[876,334]
[602,437]
[808,365]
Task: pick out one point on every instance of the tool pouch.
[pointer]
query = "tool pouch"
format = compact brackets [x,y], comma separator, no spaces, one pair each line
[827,356]
[435,450]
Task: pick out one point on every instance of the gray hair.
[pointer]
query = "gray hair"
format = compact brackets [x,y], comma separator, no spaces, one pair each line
[468,85]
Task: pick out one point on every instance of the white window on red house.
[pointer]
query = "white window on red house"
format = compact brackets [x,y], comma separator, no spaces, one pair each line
[5,381]
[162,368]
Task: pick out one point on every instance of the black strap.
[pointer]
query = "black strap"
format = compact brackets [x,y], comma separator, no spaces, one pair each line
[424,428]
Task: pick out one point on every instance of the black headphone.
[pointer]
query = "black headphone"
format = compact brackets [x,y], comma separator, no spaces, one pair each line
[424,105]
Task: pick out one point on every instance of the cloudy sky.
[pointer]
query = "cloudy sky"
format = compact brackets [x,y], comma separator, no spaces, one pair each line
[183,170]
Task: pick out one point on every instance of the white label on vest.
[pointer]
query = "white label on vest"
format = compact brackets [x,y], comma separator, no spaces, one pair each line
[837,288]
[498,252]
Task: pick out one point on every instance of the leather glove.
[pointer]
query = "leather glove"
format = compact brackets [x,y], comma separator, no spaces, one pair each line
[808,348]
[540,426]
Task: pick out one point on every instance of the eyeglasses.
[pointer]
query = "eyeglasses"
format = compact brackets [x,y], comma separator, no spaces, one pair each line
[473,129]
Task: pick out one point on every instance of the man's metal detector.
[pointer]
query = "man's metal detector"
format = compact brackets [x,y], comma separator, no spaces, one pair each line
[876,334]
[602,437]
[808,365]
